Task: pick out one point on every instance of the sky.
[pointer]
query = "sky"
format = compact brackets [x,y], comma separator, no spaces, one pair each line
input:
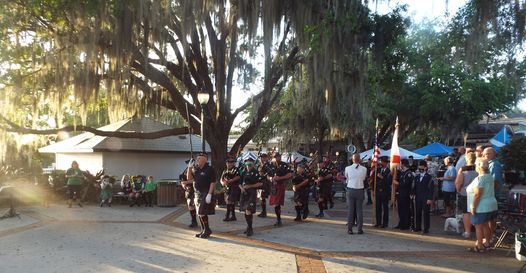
[418,10]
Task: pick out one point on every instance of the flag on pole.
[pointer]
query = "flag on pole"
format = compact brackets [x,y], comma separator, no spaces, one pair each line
[395,150]
[376,153]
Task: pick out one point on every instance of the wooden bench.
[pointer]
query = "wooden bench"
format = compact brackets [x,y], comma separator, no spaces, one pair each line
[118,194]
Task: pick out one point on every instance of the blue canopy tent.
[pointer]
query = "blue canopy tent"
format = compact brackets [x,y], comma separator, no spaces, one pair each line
[500,139]
[434,149]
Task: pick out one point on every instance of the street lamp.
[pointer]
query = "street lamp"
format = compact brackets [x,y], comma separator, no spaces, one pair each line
[203,97]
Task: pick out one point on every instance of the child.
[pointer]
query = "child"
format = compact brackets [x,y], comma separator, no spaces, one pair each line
[149,187]
[106,191]
[137,189]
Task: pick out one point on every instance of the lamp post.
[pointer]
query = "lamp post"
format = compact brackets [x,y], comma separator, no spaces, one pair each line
[203,97]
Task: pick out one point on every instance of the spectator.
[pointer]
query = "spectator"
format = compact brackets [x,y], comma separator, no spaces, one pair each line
[461,162]
[126,186]
[106,191]
[448,187]
[495,170]
[464,177]
[355,175]
[137,189]
[149,188]
[74,183]
[479,150]
[482,205]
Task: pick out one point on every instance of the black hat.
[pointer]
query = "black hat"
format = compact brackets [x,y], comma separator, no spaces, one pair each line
[405,162]
[202,154]
[384,159]
[250,159]
[263,154]
[301,165]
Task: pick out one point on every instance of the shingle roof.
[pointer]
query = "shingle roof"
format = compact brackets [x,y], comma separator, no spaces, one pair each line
[88,142]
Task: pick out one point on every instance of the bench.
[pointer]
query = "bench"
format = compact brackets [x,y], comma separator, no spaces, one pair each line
[118,194]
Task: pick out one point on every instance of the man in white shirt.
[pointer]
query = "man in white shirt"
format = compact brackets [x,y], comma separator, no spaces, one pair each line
[355,175]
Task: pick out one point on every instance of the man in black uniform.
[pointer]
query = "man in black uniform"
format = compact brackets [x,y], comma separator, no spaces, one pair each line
[204,178]
[423,191]
[382,193]
[251,181]
[264,190]
[189,195]
[230,180]
[300,185]
[324,183]
[404,184]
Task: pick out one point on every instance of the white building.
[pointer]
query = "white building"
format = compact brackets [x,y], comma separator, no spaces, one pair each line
[164,158]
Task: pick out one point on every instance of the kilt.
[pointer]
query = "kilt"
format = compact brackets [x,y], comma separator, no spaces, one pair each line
[324,191]
[248,201]
[232,193]
[263,192]
[301,196]
[277,195]
[202,207]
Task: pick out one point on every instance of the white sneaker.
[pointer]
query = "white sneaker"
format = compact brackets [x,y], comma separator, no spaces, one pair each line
[466,235]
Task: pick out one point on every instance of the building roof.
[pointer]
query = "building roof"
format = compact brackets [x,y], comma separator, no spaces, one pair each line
[88,142]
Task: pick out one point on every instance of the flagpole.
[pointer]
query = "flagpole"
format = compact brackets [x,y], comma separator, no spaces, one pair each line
[375,171]
[394,169]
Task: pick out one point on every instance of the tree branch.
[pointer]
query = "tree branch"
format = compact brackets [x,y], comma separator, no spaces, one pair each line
[80,128]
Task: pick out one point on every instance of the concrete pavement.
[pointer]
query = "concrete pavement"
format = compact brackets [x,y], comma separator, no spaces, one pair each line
[123,239]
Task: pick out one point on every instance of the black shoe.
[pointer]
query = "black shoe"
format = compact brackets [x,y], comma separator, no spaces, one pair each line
[109,204]
[426,231]
[395,226]
[263,214]
[206,234]
[250,232]
[132,204]
[297,219]
[377,225]
[245,232]
[416,230]
[383,226]
[226,219]
[278,224]
[193,225]
[360,231]
[331,205]
[233,218]
[199,234]
[102,204]
[350,232]
[320,215]
[305,215]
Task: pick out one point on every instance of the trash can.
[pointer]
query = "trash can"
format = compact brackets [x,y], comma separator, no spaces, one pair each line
[167,193]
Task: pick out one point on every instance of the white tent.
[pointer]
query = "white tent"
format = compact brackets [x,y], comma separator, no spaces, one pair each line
[293,157]
[369,154]
[405,154]
[246,155]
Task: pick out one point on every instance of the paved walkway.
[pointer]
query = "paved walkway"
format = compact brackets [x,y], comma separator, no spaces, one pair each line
[123,239]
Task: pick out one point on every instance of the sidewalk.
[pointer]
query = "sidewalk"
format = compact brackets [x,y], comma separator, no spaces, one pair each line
[123,239]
